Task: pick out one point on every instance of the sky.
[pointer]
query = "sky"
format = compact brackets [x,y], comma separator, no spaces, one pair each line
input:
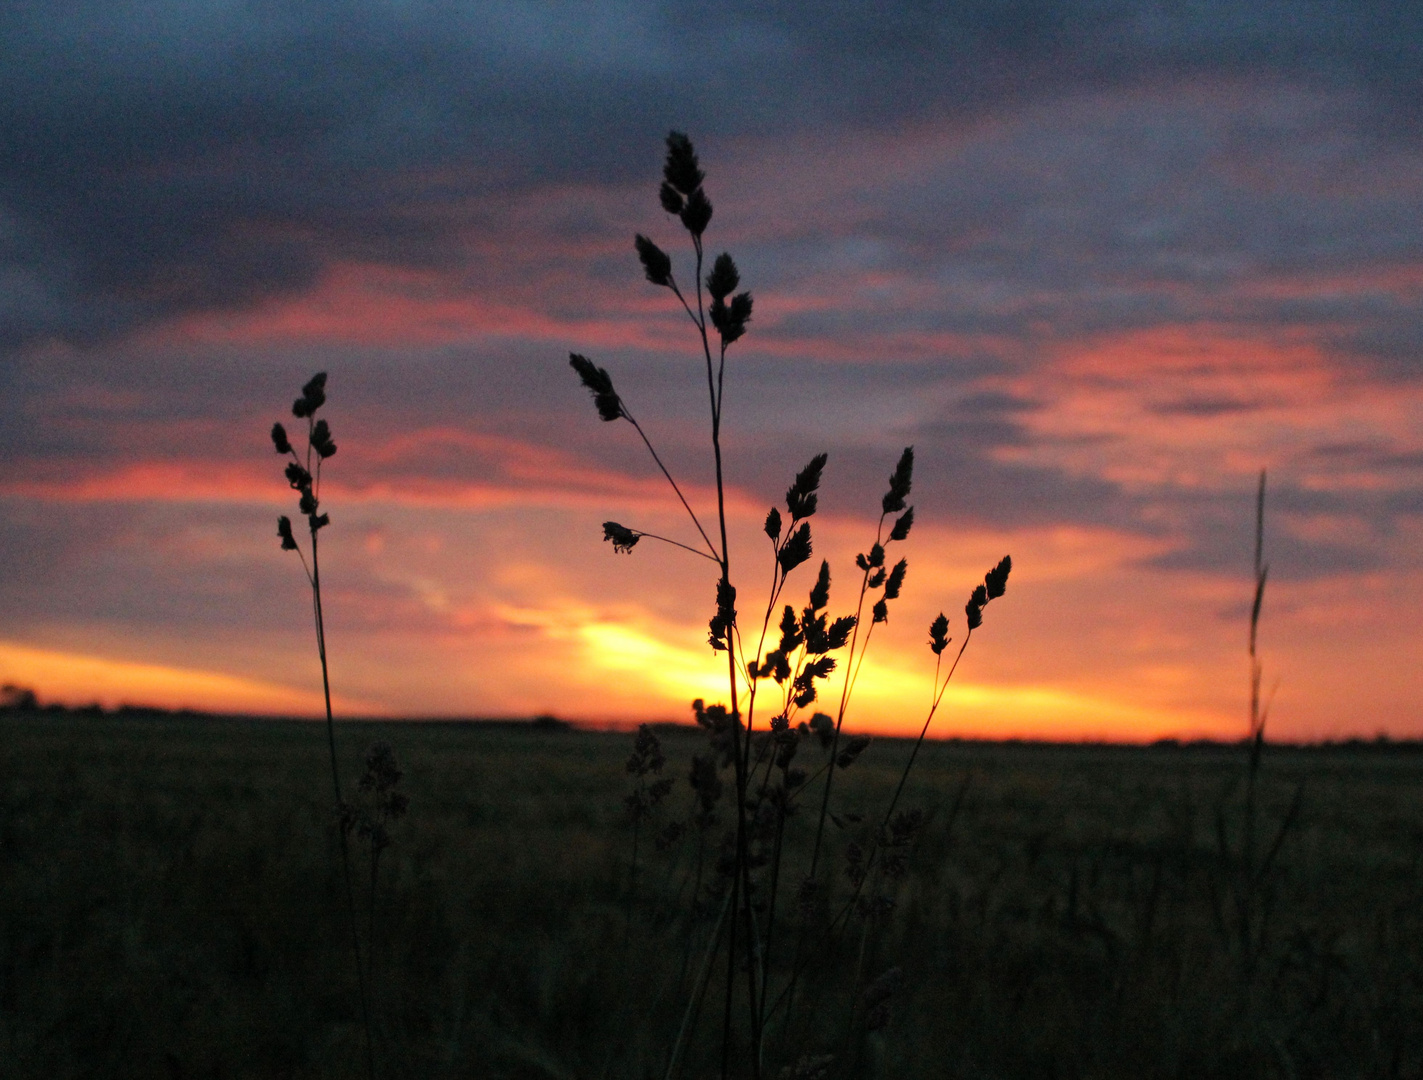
[1099,263]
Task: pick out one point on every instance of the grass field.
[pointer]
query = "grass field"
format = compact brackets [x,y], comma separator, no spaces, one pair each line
[170,906]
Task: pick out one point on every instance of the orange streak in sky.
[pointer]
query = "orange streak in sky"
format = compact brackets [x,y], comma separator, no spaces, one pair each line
[521,474]
[77,679]
[379,305]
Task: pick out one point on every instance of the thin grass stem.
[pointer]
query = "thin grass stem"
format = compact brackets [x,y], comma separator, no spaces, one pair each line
[340,804]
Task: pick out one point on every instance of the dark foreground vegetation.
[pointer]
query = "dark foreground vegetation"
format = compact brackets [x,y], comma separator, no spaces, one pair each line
[171,905]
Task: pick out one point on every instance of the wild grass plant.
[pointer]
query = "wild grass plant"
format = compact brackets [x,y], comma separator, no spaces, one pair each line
[381,805]
[781,664]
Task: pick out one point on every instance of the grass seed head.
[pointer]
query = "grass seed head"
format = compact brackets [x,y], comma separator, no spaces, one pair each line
[900,482]
[706,782]
[321,440]
[939,634]
[812,628]
[719,629]
[773,524]
[730,319]
[820,593]
[647,754]
[697,213]
[382,772]
[974,608]
[796,550]
[313,396]
[656,263]
[855,868]
[600,385]
[723,278]
[854,747]
[996,580]
[791,637]
[876,998]
[801,499]
[622,537]
[681,171]
[297,477]
[896,580]
[787,743]
[902,525]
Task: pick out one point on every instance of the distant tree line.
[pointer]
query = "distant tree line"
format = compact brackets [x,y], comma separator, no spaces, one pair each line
[16,699]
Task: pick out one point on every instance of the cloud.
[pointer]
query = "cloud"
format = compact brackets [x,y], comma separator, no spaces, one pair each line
[200,158]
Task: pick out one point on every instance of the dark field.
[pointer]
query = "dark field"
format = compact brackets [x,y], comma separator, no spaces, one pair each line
[171,906]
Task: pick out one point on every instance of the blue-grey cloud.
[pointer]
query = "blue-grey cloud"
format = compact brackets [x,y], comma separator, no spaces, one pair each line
[177,156]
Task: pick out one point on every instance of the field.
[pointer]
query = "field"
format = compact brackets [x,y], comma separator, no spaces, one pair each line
[171,906]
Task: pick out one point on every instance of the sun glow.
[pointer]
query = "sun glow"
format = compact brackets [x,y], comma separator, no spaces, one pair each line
[887,699]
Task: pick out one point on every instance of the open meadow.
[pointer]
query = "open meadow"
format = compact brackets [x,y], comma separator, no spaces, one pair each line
[171,906]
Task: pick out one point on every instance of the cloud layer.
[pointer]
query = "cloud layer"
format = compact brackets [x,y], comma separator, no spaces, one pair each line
[1099,266]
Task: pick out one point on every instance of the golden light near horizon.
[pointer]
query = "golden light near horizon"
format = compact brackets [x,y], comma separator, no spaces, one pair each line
[76,679]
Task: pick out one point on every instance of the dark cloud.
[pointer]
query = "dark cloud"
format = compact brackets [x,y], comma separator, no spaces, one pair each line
[1391,345]
[139,566]
[1214,532]
[1205,406]
[171,157]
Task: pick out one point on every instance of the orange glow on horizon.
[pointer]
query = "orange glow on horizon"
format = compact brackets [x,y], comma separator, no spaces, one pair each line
[76,679]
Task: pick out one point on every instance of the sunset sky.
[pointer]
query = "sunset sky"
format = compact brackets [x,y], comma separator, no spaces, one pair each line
[1099,263]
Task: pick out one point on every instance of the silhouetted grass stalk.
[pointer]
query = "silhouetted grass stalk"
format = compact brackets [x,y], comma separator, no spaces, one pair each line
[800,660]
[1246,871]
[307,483]
[682,194]
[994,586]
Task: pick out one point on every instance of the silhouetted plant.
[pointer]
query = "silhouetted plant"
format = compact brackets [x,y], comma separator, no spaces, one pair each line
[378,806]
[645,762]
[1247,871]
[303,473]
[788,667]
[882,856]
